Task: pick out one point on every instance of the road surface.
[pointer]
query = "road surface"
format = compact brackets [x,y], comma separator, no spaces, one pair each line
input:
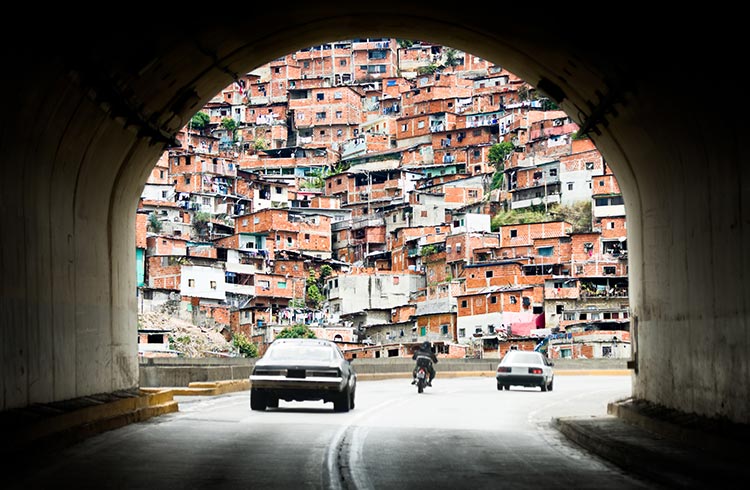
[462,433]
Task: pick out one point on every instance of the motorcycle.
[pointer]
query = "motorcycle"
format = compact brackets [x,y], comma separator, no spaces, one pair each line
[422,375]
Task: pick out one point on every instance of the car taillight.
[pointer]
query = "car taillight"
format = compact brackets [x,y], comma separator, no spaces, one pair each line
[501,369]
[535,370]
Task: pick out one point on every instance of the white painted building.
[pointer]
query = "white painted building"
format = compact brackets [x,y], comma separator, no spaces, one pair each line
[356,293]
[470,222]
[203,282]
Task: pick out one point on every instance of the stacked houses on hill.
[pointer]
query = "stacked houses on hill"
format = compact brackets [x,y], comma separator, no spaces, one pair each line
[350,187]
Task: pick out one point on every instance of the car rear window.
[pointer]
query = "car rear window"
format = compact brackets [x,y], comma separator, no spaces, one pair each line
[522,357]
[295,352]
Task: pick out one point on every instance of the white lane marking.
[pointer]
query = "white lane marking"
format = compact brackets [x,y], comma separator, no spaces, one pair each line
[354,455]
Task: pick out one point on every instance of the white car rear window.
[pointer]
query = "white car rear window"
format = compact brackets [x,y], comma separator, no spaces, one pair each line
[292,352]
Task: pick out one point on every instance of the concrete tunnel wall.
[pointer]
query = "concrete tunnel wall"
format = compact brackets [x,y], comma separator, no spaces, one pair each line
[89,119]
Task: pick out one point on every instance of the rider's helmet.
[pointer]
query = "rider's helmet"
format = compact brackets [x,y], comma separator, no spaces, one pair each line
[426,345]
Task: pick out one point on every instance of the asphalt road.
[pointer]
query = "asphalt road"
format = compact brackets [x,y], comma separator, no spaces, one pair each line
[462,433]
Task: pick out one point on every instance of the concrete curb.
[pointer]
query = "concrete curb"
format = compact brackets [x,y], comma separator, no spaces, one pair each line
[61,429]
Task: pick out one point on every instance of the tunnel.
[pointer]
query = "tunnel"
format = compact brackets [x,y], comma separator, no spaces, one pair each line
[90,106]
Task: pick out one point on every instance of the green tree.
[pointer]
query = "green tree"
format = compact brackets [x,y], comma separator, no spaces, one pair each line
[325,272]
[451,57]
[230,125]
[245,346]
[497,179]
[499,153]
[200,224]
[428,250]
[200,121]
[405,43]
[260,144]
[427,70]
[296,332]
[154,224]
[314,297]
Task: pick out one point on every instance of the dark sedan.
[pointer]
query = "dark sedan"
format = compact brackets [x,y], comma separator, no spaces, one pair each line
[303,369]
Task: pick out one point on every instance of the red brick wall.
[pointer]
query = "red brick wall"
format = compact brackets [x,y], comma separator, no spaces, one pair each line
[617,231]
[163,276]
[141,224]
[526,233]
[605,184]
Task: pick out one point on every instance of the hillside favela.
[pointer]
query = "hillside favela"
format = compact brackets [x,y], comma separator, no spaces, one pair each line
[380,193]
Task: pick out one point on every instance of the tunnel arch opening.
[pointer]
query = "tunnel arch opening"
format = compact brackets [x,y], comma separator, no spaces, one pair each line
[402,82]
[626,93]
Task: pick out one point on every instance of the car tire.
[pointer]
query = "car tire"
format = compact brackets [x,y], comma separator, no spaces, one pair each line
[499,386]
[272,402]
[549,387]
[258,400]
[351,400]
[343,403]
[544,385]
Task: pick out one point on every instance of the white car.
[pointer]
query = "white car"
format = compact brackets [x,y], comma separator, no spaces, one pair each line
[525,368]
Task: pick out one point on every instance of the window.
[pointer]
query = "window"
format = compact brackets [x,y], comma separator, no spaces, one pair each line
[322,132]
[464,303]
[545,251]
[420,124]
[256,220]
[493,299]
[289,241]
[187,179]
[491,328]
[281,284]
[339,132]
[570,186]
[206,201]
[422,331]
[320,115]
[444,329]
[477,329]
[213,284]
[462,332]
[513,300]
[161,174]
[191,283]
[488,274]
[338,115]
[342,62]
[609,271]
[163,194]
[321,96]
[589,165]
[553,172]
[307,237]
[473,193]
[559,309]
[601,183]
[513,233]
[404,127]
[306,64]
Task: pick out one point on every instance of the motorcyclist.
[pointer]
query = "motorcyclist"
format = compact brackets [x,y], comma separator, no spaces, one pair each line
[424,352]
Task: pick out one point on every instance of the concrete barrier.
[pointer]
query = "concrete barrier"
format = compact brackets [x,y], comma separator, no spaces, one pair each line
[181,372]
